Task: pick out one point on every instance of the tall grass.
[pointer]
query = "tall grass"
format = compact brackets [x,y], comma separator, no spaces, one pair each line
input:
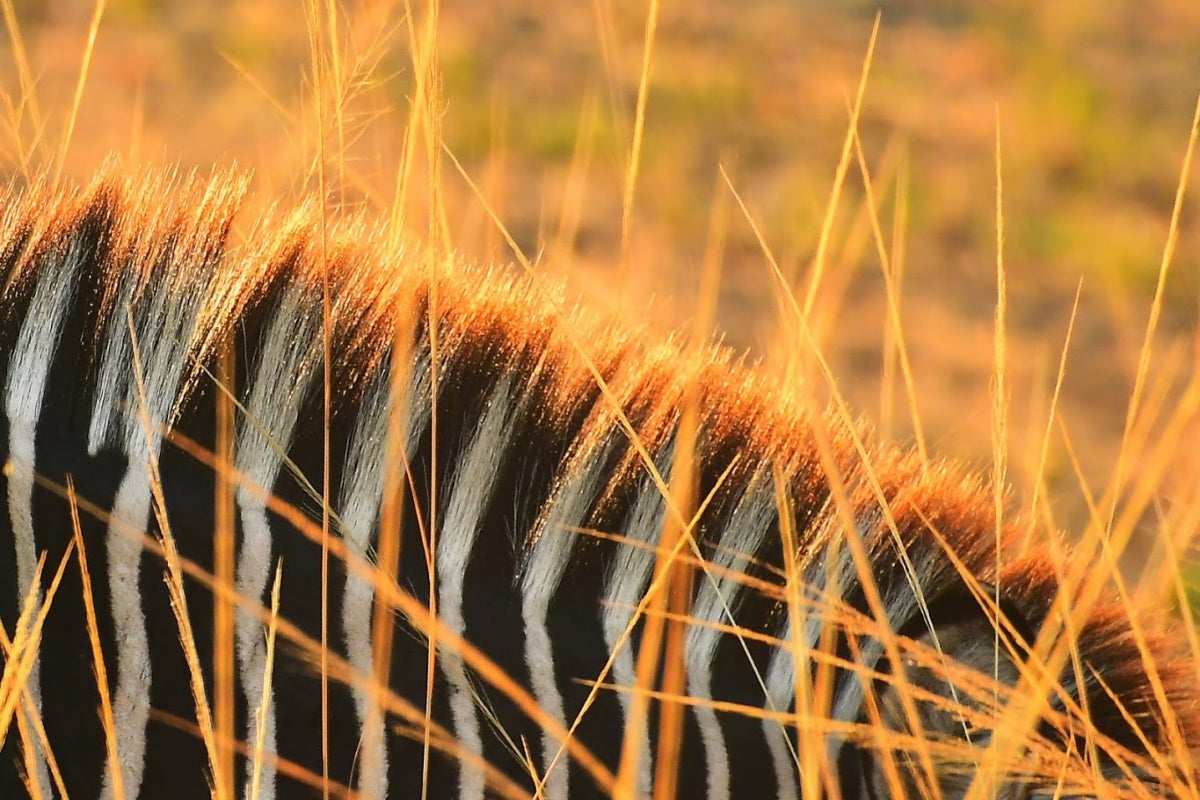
[861,292]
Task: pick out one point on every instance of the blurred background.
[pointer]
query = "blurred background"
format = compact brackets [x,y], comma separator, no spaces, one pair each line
[1092,104]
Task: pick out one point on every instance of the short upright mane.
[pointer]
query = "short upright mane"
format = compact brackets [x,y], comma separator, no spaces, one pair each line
[536,449]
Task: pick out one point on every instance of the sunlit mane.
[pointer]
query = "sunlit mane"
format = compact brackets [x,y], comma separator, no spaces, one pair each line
[553,471]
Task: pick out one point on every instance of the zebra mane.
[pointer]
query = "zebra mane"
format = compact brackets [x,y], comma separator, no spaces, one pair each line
[157,269]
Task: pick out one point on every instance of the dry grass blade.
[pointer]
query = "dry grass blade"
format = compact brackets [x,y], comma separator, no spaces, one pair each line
[89,606]
[317,44]
[816,773]
[1156,305]
[1051,414]
[589,179]
[839,179]
[174,574]
[891,269]
[894,280]
[635,147]
[84,67]
[1175,735]
[224,519]
[260,713]
[20,656]
[28,90]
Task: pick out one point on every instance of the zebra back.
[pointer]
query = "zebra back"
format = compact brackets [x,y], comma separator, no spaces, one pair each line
[513,549]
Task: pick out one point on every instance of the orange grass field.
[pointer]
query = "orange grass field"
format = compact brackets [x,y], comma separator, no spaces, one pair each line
[735,150]
[984,212]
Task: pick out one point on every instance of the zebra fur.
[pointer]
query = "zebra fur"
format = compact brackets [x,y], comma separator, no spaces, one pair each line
[521,485]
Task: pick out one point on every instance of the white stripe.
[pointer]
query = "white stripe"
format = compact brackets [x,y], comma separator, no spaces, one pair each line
[357,603]
[539,657]
[28,371]
[283,372]
[553,542]
[849,699]
[473,486]
[628,578]
[359,508]
[362,489]
[254,568]
[131,701]
[20,512]
[163,316]
[716,598]
[781,690]
[781,676]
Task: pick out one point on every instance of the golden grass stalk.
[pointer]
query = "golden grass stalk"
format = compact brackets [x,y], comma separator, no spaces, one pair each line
[224,573]
[635,147]
[20,653]
[839,179]
[260,713]
[84,67]
[89,608]
[174,575]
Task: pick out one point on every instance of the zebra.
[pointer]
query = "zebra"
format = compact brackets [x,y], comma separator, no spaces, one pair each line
[477,545]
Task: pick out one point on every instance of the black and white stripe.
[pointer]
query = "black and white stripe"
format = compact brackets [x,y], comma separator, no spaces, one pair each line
[519,466]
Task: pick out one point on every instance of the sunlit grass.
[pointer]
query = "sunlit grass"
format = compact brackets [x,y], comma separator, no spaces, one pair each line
[586,188]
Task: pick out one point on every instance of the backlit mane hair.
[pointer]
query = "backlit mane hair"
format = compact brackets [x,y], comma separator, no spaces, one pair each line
[591,403]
